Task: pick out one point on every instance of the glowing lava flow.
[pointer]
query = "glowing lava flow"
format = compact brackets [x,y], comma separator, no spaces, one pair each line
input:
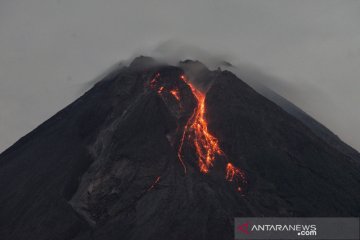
[206,145]
[196,131]
[176,94]
[235,174]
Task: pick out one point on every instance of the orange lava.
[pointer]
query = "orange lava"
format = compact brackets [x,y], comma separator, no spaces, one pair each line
[160,90]
[233,173]
[176,94]
[206,145]
[196,131]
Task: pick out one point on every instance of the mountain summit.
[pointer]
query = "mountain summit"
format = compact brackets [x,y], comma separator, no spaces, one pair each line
[170,152]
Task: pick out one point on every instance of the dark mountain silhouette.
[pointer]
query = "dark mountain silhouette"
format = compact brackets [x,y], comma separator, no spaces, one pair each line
[320,130]
[124,161]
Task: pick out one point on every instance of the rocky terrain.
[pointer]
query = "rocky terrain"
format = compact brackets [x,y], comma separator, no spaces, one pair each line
[136,157]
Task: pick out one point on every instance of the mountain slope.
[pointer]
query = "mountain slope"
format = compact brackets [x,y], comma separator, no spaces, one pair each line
[108,166]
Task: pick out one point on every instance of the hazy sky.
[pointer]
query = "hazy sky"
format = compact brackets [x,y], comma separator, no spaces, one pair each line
[50,49]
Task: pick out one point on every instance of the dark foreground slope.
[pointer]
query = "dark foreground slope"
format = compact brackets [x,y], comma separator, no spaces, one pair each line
[107,167]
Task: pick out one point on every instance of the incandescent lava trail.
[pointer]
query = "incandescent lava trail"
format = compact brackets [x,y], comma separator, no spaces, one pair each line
[206,145]
[196,132]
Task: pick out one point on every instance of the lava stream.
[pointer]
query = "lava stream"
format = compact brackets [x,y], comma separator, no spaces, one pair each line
[196,131]
[206,145]
[176,94]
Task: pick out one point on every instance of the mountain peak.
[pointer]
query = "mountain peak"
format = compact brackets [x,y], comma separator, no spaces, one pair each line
[143,62]
[148,154]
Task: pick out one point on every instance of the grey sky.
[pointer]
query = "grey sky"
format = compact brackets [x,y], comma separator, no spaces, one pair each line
[50,49]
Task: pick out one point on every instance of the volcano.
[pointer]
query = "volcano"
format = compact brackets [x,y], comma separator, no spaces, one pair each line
[155,151]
